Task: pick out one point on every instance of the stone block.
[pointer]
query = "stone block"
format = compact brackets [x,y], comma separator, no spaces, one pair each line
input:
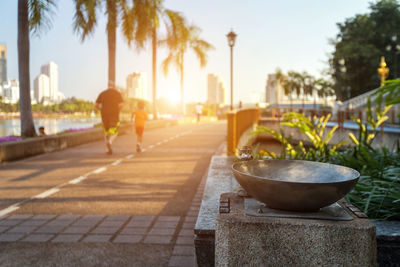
[388,242]
[242,240]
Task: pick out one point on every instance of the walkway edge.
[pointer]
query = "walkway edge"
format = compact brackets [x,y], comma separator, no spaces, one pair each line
[10,151]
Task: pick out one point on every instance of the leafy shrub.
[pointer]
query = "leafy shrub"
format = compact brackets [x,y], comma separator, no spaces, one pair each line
[314,131]
[377,192]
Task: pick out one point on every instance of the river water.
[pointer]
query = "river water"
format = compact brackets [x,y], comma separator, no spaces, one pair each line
[51,125]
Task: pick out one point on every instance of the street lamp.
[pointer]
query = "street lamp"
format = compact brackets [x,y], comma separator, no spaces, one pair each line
[396,49]
[343,70]
[231,42]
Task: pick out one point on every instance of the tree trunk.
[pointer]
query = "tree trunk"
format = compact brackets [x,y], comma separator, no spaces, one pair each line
[27,125]
[154,44]
[315,103]
[182,91]
[111,40]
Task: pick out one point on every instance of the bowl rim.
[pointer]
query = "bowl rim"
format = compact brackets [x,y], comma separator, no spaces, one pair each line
[356,173]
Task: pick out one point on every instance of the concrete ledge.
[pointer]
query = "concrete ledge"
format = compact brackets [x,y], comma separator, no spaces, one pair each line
[219,180]
[10,151]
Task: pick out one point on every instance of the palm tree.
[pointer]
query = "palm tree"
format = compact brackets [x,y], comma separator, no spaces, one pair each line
[296,82]
[149,14]
[284,81]
[32,17]
[85,20]
[324,89]
[179,41]
[309,86]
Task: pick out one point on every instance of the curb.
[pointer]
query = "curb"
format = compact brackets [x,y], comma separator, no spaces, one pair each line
[10,151]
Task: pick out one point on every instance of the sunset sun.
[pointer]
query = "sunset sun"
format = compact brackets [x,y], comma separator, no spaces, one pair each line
[174,96]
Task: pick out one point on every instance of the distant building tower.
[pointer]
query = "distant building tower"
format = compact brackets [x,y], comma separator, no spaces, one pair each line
[11,91]
[215,89]
[60,97]
[136,85]
[51,70]
[3,64]
[41,88]
[273,90]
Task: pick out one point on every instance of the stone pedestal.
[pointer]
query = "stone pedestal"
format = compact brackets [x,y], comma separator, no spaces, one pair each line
[242,240]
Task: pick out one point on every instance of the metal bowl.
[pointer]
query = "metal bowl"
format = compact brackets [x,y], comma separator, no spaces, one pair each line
[295,185]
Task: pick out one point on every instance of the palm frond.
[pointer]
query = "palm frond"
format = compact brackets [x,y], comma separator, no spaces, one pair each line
[166,64]
[201,55]
[40,15]
[129,22]
[85,17]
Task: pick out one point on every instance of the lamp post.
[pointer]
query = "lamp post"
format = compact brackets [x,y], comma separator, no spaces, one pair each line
[396,49]
[343,70]
[231,42]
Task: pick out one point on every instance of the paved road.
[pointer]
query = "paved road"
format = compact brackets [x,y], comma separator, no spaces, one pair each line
[80,207]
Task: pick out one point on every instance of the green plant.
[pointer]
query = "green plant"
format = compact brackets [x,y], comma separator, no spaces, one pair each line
[367,131]
[313,129]
[377,192]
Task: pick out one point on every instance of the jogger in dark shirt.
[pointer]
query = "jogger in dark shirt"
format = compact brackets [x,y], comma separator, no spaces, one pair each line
[110,102]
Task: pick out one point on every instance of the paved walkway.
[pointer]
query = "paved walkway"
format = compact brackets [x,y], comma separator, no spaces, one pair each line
[79,207]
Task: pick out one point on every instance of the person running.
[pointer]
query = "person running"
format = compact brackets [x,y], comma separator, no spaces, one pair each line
[110,102]
[199,110]
[140,120]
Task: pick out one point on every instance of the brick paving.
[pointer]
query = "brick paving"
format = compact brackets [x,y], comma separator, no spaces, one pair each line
[88,228]
[163,230]
[171,235]
[67,238]
[183,253]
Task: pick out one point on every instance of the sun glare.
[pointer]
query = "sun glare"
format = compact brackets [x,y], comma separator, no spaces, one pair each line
[174,97]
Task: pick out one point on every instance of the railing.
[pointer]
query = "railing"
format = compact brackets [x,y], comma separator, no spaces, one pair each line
[238,122]
[358,101]
[339,116]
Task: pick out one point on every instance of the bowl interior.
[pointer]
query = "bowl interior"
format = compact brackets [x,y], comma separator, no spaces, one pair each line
[296,171]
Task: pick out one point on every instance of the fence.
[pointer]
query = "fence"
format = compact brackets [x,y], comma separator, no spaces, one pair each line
[340,116]
[238,122]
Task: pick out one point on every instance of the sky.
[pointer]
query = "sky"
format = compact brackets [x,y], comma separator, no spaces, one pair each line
[291,35]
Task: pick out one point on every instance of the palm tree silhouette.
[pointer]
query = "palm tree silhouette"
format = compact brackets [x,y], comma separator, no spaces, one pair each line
[147,15]
[85,21]
[33,17]
[309,86]
[286,83]
[179,41]
[296,83]
[324,89]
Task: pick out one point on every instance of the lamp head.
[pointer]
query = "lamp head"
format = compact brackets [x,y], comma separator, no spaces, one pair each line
[231,38]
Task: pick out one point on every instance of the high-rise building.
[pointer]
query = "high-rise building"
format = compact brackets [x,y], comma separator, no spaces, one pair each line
[136,85]
[60,97]
[41,88]
[3,64]
[11,91]
[273,90]
[51,70]
[215,89]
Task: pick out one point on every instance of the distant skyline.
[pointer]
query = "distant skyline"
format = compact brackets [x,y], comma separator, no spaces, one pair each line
[292,35]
